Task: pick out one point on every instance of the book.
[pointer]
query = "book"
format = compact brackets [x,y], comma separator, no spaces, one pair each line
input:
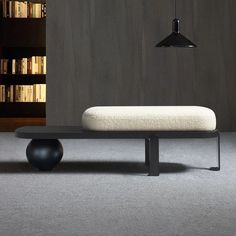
[11,93]
[5,66]
[44,10]
[44,65]
[17,9]
[39,59]
[24,66]
[13,66]
[30,10]
[23,93]
[18,66]
[32,65]
[29,65]
[37,10]
[2,93]
[10,7]
[7,93]
[23,9]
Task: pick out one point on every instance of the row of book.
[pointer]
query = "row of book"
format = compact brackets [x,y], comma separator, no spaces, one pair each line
[23,9]
[32,65]
[23,93]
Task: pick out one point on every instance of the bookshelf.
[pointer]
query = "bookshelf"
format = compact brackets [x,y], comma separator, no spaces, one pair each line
[21,37]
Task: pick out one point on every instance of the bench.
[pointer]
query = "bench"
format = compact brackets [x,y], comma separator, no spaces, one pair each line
[148,123]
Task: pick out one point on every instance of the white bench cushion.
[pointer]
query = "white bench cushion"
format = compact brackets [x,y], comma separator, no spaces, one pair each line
[149,118]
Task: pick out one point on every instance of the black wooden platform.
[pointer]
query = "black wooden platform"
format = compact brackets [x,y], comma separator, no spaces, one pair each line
[49,135]
[76,132]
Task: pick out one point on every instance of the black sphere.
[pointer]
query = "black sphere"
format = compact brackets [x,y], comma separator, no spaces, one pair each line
[44,154]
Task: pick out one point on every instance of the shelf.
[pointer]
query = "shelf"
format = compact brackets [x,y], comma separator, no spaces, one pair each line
[23,32]
[14,79]
[19,21]
[22,109]
[20,52]
[22,38]
[10,124]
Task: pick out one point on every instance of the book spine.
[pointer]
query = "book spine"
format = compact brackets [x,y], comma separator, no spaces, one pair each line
[30,94]
[4,93]
[36,65]
[13,8]
[44,65]
[17,9]
[4,8]
[1,67]
[29,65]
[13,66]
[25,92]
[24,66]
[7,9]
[44,93]
[17,93]
[44,10]
[39,65]
[1,93]
[37,93]
[40,92]
[33,64]
[34,92]
[12,93]
[5,66]
[7,93]
[18,66]
[10,9]
[25,9]
[31,10]
[20,8]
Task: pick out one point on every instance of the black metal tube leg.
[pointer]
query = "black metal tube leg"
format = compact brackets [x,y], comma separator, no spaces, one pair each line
[218,151]
[218,155]
[154,156]
[147,152]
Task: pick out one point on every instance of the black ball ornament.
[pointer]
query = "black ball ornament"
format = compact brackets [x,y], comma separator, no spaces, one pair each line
[44,154]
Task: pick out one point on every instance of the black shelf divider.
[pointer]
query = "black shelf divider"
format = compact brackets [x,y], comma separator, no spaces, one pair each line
[14,79]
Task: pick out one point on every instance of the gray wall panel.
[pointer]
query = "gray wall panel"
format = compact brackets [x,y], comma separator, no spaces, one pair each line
[101,52]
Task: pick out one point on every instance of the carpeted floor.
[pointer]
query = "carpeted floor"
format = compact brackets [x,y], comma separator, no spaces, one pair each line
[102,188]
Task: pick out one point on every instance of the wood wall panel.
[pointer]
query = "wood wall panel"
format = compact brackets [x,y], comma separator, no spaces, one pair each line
[101,52]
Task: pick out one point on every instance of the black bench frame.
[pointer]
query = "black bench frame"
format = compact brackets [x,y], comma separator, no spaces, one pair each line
[39,133]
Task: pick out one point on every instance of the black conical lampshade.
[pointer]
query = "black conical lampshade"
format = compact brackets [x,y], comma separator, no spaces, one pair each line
[176,39]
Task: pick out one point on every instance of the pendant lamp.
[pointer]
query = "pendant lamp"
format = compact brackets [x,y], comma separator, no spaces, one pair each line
[176,39]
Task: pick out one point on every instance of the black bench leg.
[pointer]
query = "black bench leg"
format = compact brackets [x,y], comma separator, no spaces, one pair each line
[154,156]
[147,152]
[218,154]
[44,154]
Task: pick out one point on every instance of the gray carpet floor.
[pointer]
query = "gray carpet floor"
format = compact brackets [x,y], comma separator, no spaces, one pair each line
[101,188]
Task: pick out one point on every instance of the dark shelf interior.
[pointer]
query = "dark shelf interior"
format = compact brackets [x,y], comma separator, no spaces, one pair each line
[22,109]
[14,79]
[20,52]
[23,32]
